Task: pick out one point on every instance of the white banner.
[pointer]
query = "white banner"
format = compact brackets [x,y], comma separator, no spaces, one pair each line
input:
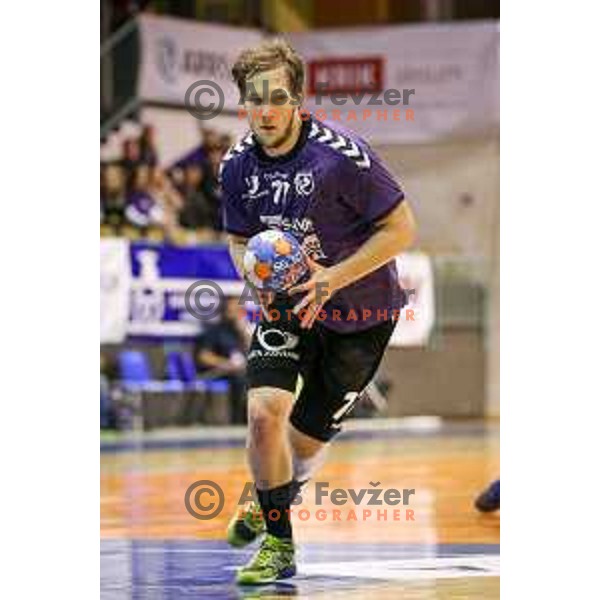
[401,84]
[176,53]
[453,70]
[115,284]
[416,322]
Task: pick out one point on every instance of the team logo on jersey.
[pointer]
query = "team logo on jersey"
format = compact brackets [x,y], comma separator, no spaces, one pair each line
[276,175]
[276,340]
[305,184]
[312,246]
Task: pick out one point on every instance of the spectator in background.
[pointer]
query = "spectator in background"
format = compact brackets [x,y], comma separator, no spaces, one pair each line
[177,176]
[163,190]
[166,195]
[221,351]
[214,157]
[209,138]
[113,197]
[132,156]
[147,143]
[143,209]
[196,213]
[225,141]
[139,198]
[213,191]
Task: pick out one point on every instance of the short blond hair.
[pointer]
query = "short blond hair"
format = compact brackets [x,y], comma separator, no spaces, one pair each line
[266,56]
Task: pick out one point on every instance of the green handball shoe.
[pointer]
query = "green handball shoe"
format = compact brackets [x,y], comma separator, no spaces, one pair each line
[246,525]
[274,560]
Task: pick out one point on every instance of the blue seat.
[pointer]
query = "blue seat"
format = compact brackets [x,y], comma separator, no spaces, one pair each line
[217,386]
[173,367]
[134,366]
[136,374]
[182,376]
[187,365]
[188,374]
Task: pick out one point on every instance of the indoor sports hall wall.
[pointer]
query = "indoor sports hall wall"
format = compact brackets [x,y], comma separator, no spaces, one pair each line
[452,182]
[454,186]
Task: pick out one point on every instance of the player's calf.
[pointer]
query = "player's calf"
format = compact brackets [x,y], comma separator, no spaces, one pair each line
[271,463]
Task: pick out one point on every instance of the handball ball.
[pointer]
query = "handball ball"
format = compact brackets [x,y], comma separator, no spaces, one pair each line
[274,261]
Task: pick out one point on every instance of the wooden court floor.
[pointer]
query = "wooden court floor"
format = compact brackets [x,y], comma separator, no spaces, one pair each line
[152,547]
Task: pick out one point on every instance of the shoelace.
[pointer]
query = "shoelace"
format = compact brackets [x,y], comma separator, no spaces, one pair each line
[264,557]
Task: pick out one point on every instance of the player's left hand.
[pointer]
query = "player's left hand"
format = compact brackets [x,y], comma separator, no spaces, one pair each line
[319,289]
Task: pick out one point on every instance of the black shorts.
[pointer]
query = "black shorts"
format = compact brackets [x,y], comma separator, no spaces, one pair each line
[335,367]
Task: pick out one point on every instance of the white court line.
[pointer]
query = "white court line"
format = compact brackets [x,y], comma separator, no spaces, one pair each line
[441,567]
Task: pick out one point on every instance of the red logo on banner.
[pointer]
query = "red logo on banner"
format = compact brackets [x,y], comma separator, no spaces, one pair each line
[345,75]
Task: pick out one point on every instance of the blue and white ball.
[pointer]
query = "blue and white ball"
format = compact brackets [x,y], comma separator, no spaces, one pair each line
[274,261]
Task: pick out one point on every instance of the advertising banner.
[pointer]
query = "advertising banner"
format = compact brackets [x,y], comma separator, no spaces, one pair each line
[115,286]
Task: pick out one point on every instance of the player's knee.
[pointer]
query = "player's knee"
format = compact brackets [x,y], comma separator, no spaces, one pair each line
[268,410]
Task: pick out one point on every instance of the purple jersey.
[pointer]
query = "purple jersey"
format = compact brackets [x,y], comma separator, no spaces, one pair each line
[329,192]
[142,210]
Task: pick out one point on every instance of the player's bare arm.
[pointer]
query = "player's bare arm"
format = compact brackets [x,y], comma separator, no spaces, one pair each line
[237,247]
[395,233]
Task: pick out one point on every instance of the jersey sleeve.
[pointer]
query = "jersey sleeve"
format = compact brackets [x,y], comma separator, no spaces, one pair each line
[377,192]
[238,216]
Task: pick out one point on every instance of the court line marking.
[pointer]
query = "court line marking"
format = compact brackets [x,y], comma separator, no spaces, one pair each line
[325,552]
[439,567]
[235,437]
